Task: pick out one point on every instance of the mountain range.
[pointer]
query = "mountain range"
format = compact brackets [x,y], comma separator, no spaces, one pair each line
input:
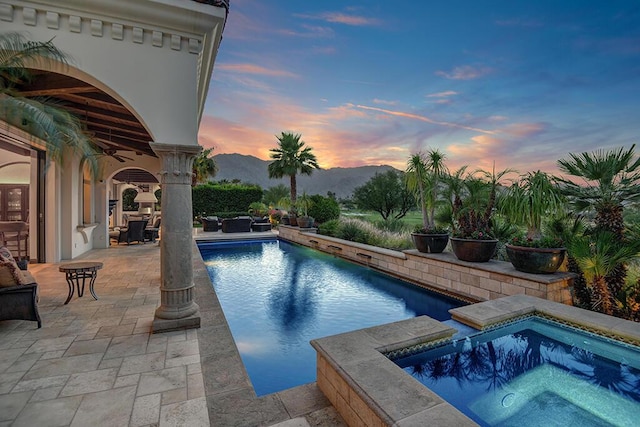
[250,169]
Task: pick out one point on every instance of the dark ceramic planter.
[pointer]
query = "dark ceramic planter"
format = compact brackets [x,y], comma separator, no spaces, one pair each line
[430,243]
[473,250]
[536,260]
[284,220]
[305,222]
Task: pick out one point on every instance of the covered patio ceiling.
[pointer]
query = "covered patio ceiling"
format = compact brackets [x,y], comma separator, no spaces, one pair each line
[112,126]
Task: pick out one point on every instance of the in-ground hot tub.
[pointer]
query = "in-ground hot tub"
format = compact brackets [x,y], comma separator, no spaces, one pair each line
[367,388]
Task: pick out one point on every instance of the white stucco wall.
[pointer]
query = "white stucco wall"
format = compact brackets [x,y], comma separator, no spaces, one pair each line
[154,56]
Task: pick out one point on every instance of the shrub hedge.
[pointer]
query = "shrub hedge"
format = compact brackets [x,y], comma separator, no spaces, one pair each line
[324,209]
[227,198]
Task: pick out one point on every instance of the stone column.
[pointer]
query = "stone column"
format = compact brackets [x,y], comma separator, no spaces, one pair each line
[177,308]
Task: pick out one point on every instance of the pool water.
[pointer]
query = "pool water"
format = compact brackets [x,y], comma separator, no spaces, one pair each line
[535,372]
[277,296]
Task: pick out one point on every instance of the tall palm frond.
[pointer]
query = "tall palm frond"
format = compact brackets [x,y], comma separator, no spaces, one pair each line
[607,177]
[597,255]
[416,176]
[204,167]
[60,131]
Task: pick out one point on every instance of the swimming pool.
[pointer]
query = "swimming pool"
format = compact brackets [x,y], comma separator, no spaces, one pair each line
[534,372]
[277,296]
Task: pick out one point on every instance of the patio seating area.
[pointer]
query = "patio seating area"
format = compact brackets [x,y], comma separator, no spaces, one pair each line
[95,362]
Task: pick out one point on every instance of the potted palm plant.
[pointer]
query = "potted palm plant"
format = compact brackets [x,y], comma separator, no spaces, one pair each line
[530,199]
[259,210]
[473,203]
[289,215]
[423,176]
[303,204]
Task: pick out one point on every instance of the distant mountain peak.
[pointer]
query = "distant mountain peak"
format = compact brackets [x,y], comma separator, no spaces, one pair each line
[339,180]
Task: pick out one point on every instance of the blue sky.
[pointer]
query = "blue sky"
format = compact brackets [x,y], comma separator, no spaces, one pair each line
[518,83]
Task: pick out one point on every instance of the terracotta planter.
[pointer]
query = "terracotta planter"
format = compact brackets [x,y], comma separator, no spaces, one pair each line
[430,243]
[293,220]
[536,260]
[472,250]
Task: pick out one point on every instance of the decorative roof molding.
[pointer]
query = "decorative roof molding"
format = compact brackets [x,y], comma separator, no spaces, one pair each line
[112,18]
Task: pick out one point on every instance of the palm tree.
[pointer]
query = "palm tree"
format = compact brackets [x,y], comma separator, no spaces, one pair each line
[597,255]
[608,181]
[290,157]
[423,174]
[40,117]
[204,167]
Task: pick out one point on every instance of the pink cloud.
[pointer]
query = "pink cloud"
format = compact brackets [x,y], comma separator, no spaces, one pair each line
[342,18]
[254,69]
[424,119]
[444,94]
[464,72]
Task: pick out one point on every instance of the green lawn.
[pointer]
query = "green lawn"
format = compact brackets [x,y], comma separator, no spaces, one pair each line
[412,218]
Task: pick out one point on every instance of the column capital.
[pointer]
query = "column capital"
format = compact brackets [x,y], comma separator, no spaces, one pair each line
[177,162]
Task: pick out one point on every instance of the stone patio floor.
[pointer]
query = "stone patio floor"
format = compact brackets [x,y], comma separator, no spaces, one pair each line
[96,363]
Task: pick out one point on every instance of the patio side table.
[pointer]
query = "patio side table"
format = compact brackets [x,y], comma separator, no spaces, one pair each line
[80,272]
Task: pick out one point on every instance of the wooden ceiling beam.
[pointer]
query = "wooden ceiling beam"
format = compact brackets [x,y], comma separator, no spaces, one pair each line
[122,145]
[104,126]
[57,91]
[83,111]
[89,101]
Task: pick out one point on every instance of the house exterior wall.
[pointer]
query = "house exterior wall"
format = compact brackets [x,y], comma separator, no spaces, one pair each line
[153,56]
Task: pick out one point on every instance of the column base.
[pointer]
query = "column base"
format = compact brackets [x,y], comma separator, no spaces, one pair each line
[166,325]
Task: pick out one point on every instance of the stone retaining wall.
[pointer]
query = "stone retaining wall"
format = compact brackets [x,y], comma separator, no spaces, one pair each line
[443,272]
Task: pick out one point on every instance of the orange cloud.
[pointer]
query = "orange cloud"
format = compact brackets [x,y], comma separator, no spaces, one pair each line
[524,130]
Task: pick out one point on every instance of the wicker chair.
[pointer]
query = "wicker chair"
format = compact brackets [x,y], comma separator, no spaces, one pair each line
[133,232]
[209,223]
[236,225]
[18,291]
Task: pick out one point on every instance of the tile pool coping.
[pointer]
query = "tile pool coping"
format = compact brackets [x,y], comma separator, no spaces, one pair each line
[369,389]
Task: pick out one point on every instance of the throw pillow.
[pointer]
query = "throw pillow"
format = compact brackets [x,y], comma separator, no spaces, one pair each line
[10,274]
[5,254]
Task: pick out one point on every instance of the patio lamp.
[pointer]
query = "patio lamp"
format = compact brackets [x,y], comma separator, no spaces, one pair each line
[145,198]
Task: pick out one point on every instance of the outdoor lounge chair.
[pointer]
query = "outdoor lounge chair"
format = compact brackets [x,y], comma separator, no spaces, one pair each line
[133,232]
[18,291]
[261,224]
[236,225]
[209,223]
[152,231]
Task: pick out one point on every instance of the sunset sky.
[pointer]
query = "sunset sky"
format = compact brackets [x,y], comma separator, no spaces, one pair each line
[369,82]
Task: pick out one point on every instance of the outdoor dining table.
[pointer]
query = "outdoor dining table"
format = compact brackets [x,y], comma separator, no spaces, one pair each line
[79,272]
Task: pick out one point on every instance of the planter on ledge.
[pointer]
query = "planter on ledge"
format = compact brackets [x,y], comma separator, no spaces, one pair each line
[430,243]
[472,250]
[305,221]
[536,260]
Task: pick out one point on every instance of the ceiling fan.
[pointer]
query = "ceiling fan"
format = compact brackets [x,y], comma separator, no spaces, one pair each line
[107,151]
[118,157]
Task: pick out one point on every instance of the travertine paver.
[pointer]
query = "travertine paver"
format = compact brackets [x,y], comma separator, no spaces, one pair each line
[96,362]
